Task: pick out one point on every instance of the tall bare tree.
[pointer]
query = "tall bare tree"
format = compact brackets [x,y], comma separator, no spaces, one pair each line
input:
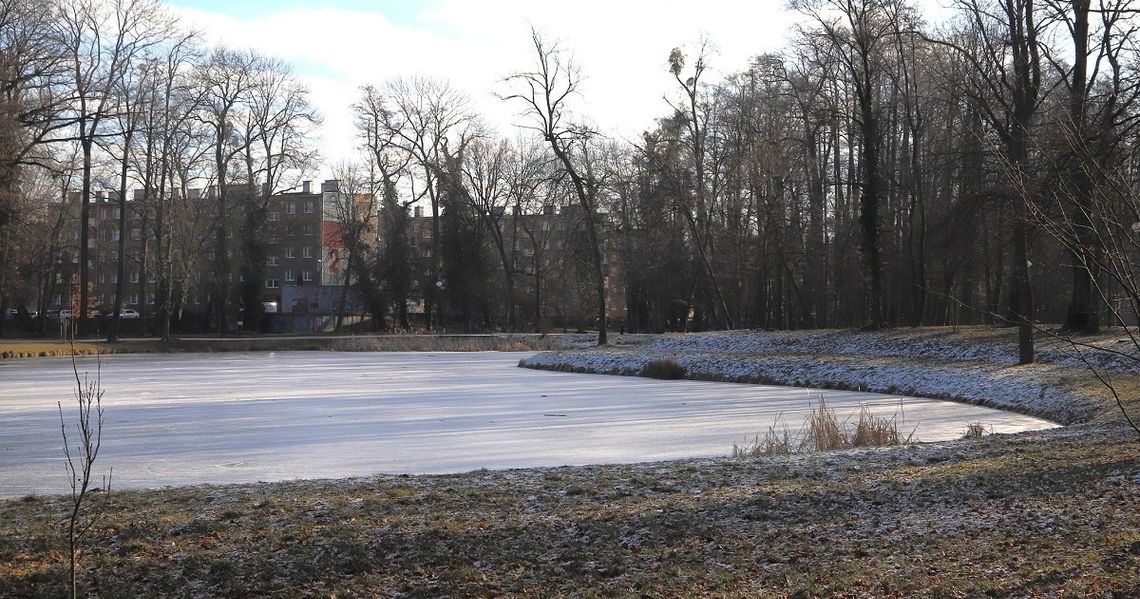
[427,120]
[225,79]
[543,93]
[102,40]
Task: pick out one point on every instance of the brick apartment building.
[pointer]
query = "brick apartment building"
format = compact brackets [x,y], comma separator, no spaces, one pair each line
[304,271]
[306,259]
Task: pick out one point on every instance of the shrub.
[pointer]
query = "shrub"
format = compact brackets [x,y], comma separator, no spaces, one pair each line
[666,368]
[823,431]
[875,432]
[974,430]
[774,443]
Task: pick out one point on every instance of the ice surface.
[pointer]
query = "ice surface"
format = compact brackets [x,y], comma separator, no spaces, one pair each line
[227,418]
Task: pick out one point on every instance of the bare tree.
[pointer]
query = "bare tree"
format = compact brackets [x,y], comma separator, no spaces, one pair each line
[426,120]
[80,461]
[225,80]
[1109,216]
[174,145]
[355,212]
[543,93]
[862,33]
[532,191]
[32,106]
[696,113]
[131,93]
[486,172]
[276,152]
[1006,87]
[102,40]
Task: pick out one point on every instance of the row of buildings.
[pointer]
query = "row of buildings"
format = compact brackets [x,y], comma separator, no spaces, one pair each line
[304,271]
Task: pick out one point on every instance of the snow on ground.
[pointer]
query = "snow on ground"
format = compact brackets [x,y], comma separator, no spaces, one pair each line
[928,364]
[228,418]
[978,344]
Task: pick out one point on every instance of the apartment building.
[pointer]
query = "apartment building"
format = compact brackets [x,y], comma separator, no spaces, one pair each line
[305,263]
[307,259]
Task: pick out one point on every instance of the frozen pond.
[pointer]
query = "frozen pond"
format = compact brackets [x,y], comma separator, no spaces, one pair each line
[226,418]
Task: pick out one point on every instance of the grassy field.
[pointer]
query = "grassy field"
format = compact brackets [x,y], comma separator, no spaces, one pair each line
[1046,514]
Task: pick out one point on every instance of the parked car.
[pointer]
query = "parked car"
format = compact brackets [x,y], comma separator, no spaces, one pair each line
[64,315]
[128,314]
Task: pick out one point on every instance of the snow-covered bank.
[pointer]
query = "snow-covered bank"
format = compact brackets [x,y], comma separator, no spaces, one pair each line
[910,363]
[994,345]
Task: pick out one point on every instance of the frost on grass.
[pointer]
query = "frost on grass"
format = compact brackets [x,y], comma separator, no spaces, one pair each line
[879,362]
[977,344]
[1049,513]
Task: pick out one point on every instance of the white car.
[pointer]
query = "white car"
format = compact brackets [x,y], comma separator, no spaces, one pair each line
[128,314]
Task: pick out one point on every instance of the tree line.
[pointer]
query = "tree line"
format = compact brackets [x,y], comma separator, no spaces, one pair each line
[877,171]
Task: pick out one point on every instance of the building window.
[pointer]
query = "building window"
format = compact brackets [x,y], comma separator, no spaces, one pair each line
[114,235]
[272,284]
[290,208]
[306,252]
[133,299]
[307,228]
[58,278]
[308,207]
[290,276]
[274,216]
[289,252]
[306,276]
[102,278]
[271,261]
[115,277]
[150,298]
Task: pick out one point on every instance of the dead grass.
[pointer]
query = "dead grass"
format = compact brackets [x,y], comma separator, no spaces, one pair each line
[47,349]
[975,430]
[777,441]
[1039,514]
[824,431]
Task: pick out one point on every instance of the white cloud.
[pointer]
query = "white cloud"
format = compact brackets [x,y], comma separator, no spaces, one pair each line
[620,46]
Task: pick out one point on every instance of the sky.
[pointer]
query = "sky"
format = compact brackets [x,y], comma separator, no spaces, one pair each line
[621,47]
